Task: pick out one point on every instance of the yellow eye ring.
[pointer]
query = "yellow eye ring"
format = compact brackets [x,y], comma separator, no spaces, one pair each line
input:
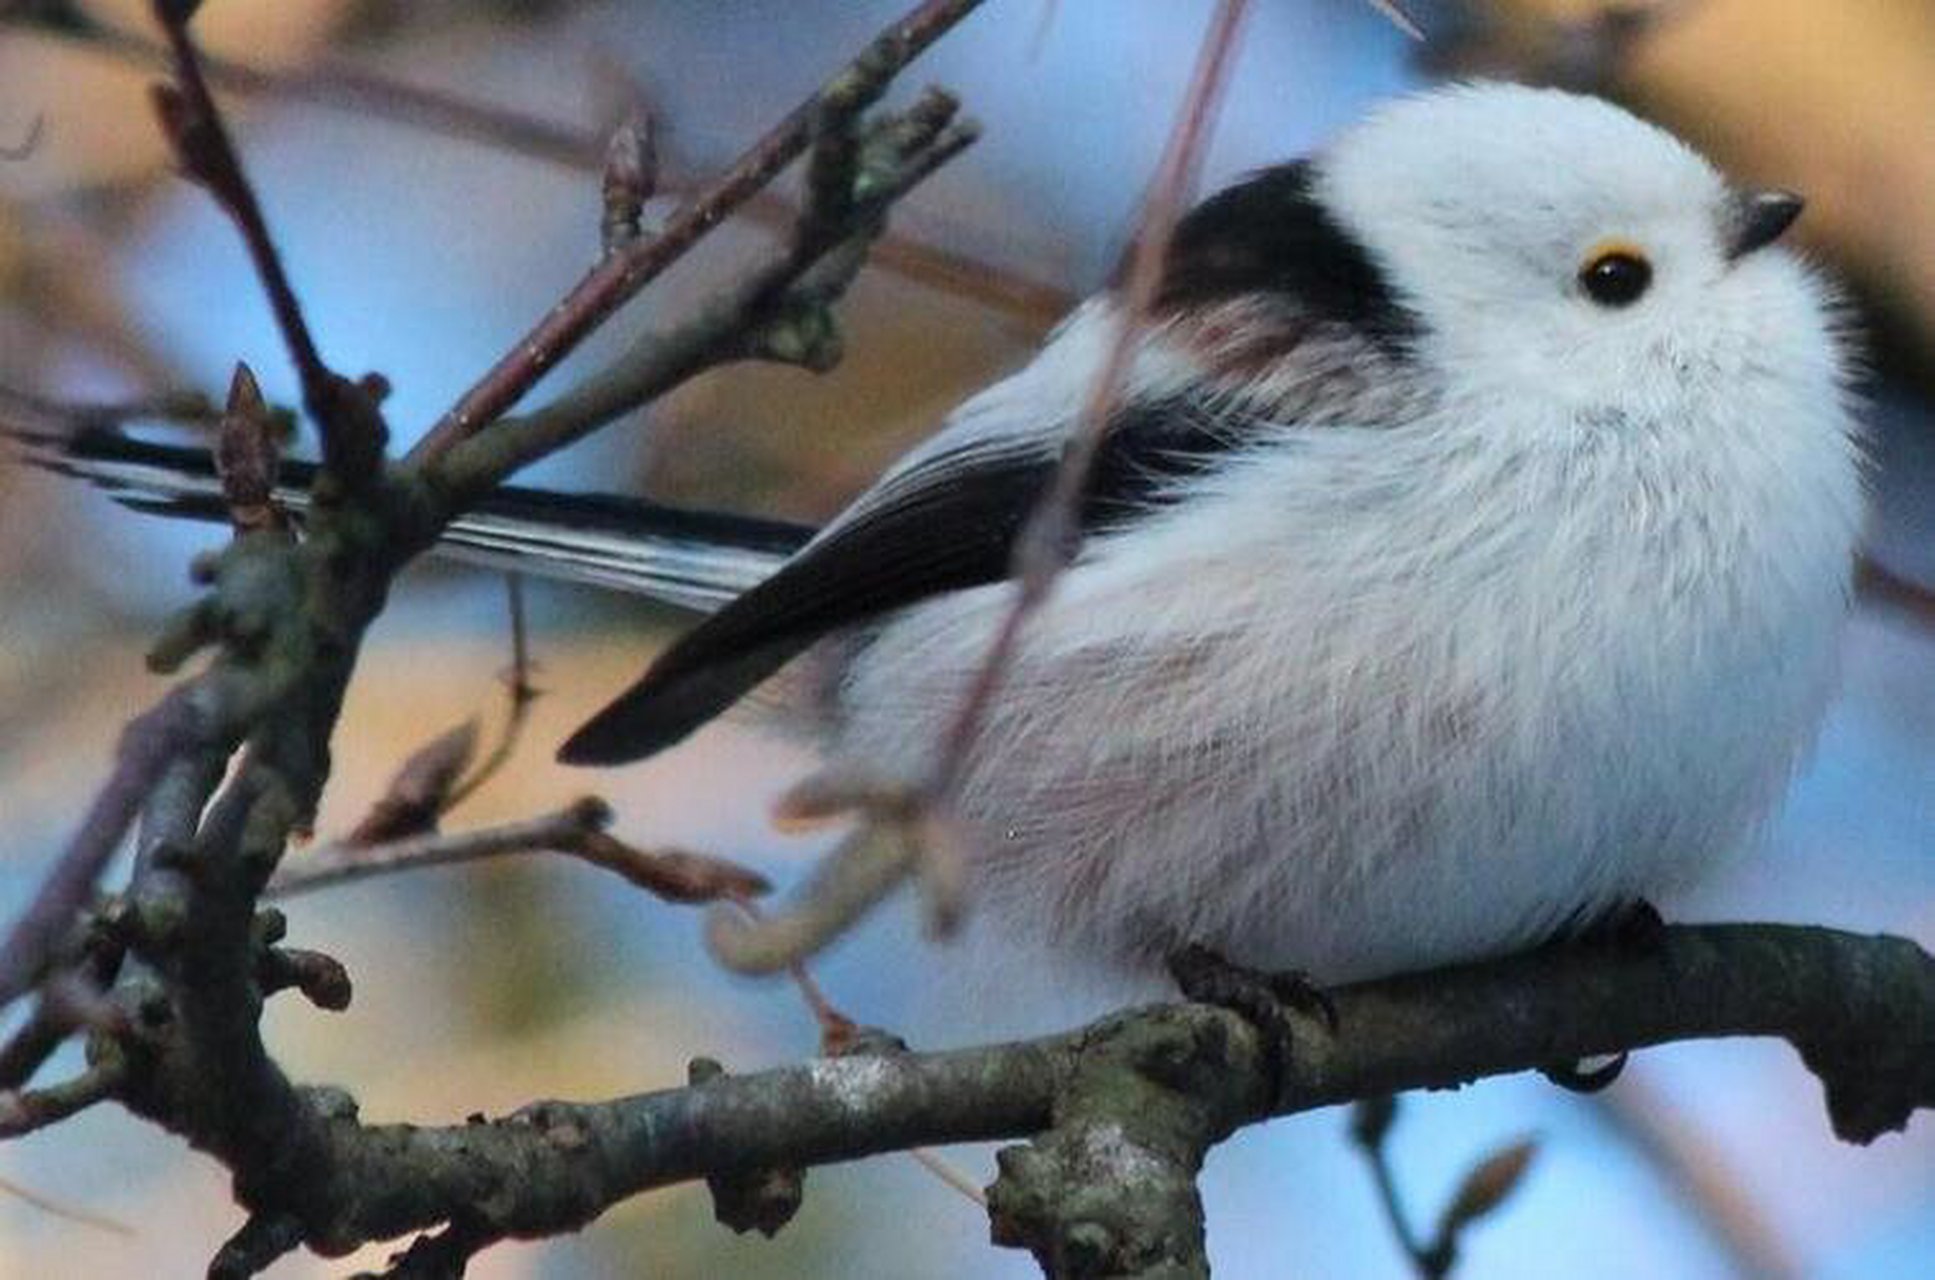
[1616,273]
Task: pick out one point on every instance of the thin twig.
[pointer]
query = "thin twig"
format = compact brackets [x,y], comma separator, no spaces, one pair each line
[839,1034]
[576,831]
[70,1002]
[910,829]
[343,87]
[519,694]
[35,413]
[619,276]
[33,1042]
[60,1209]
[1399,18]
[950,1175]
[327,865]
[201,140]
[836,1028]
[151,742]
[1875,581]
[1584,51]
[743,320]
[28,145]
[1706,1187]
[352,432]
[1370,1129]
[1485,1186]
[24,1110]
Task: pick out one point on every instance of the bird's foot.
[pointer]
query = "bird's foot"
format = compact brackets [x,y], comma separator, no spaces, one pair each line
[1263,999]
[1587,1075]
[1636,925]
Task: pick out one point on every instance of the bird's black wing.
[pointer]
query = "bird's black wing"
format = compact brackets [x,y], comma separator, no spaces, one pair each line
[945,524]
[949,521]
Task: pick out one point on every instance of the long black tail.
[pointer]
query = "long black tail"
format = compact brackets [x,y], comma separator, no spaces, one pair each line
[695,559]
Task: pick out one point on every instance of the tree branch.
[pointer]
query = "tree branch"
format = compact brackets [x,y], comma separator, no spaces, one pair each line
[353,434]
[715,332]
[621,274]
[576,831]
[1861,1011]
[148,745]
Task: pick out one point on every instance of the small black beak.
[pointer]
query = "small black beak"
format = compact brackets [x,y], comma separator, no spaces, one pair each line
[1759,218]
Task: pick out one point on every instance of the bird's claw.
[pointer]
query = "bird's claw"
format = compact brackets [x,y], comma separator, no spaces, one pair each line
[1587,1075]
[1263,999]
[1635,925]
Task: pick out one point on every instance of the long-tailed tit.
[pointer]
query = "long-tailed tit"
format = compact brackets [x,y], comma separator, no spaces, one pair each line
[1464,560]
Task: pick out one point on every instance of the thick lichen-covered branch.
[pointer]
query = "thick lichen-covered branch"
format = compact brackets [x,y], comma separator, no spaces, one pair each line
[1159,1084]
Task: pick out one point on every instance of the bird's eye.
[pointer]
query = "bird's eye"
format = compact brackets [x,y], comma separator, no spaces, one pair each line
[1615,275]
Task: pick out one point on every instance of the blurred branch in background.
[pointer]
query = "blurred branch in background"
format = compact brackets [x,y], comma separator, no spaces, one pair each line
[1486,1186]
[1709,1187]
[25,147]
[341,86]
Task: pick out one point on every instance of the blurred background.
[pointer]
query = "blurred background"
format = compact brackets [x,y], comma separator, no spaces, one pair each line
[423,255]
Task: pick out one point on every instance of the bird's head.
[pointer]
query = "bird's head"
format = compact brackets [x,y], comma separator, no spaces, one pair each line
[1551,243]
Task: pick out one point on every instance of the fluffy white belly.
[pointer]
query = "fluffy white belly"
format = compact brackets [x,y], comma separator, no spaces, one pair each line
[1356,742]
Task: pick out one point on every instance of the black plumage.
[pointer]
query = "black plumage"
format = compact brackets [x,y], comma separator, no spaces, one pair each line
[1269,234]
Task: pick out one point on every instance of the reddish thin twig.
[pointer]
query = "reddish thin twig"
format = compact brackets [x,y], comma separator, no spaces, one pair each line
[576,831]
[201,138]
[333,84]
[620,275]
[909,829]
[343,862]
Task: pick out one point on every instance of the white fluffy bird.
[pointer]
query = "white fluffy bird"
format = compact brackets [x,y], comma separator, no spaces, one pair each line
[1464,563]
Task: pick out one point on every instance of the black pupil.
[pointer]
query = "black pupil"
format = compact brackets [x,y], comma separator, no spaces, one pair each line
[1616,279]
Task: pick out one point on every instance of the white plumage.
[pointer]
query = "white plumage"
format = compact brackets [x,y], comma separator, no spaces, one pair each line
[1549,638]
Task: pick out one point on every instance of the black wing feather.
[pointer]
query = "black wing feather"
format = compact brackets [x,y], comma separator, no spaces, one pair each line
[611,513]
[954,531]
